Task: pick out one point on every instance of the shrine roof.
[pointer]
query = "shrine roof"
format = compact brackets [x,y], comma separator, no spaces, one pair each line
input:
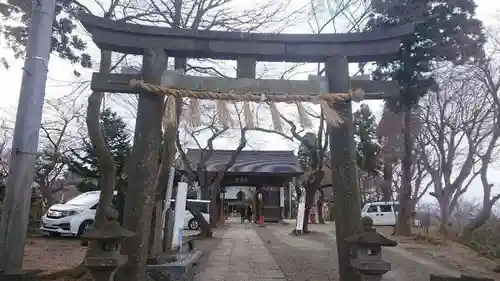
[247,161]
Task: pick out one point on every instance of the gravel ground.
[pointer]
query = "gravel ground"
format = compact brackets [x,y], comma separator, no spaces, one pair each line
[304,261]
[313,257]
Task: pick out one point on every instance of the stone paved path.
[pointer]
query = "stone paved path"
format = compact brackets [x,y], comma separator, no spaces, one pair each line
[241,256]
[250,253]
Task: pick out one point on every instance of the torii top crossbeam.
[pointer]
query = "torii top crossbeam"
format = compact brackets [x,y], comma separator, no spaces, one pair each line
[135,38]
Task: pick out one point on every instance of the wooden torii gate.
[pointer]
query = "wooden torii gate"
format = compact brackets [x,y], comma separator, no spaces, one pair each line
[335,50]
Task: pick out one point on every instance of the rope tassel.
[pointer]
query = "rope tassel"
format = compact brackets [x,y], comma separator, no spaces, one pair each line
[249,116]
[331,115]
[324,99]
[304,119]
[194,112]
[170,115]
[224,114]
[276,117]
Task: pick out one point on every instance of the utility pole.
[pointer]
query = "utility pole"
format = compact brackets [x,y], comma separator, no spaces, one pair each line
[15,215]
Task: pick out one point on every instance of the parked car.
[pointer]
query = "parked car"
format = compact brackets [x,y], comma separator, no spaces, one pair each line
[382,213]
[190,221]
[74,217]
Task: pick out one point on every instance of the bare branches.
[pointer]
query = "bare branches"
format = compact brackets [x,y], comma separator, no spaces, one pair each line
[455,125]
[460,132]
[243,142]
[62,118]
[5,145]
[340,16]
[222,15]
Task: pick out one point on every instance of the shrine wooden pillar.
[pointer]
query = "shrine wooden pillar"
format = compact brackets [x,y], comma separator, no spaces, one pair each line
[344,173]
[142,177]
[246,68]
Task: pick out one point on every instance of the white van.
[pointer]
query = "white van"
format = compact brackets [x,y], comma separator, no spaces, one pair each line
[74,217]
[190,221]
[382,213]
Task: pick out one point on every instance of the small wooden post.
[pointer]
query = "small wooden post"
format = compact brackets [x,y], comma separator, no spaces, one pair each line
[343,162]
[142,176]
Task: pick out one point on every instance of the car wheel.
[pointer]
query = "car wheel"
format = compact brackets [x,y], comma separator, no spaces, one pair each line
[366,218]
[85,226]
[193,224]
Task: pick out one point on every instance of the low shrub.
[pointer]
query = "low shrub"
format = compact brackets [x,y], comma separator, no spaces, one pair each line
[485,240]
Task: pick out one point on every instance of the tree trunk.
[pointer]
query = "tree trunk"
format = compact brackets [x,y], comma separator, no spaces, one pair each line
[167,159]
[444,207]
[48,195]
[387,183]
[310,193]
[143,175]
[479,220]
[214,206]
[120,199]
[207,194]
[106,162]
[155,246]
[403,227]
[321,201]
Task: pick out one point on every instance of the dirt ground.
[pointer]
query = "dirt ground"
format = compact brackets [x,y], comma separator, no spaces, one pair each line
[52,254]
[432,245]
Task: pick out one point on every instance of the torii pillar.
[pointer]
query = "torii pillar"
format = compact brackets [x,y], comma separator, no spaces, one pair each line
[343,161]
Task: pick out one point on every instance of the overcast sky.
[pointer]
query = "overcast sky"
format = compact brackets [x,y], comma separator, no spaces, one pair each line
[61,73]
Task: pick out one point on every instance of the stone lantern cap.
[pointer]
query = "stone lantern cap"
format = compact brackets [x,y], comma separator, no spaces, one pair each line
[369,237]
[110,230]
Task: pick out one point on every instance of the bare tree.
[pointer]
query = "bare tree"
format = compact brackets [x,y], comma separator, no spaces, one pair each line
[390,137]
[421,181]
[211,130]
[486,73]
[58,138]
[456,122]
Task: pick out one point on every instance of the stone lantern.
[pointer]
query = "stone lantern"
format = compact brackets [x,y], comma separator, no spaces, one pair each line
[367,252]
[108,237]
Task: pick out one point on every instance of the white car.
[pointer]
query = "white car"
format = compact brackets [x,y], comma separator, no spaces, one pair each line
[189,220]
[382,213]
[74,217]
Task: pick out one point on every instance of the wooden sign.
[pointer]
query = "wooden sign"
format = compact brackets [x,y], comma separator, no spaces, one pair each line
[270,189]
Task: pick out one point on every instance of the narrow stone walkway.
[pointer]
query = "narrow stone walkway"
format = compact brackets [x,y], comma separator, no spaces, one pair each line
[241,256]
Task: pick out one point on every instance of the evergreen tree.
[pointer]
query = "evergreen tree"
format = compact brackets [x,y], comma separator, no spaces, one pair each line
[367,147]
[308,154]
[66,43]
[83,161]
[446,31]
